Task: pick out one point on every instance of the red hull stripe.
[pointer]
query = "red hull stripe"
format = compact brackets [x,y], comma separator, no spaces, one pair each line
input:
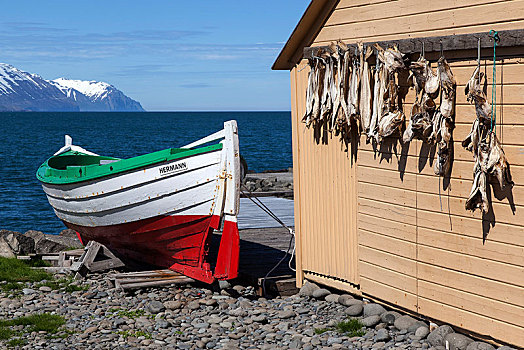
[161,241]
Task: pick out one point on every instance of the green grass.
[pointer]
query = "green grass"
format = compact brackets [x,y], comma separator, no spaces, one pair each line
[11,286]
[16,342]
[321,330]
[128,313]
[14,270]
[351,327]
[135,334]
[34,323]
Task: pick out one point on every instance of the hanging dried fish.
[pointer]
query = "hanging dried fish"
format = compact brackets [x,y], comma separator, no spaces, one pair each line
[354,87]
[490,159]
[476,93]
[390,118]
[365,89]
[445,118]
[378,100]
[339,117]
[432,84]
[326,104]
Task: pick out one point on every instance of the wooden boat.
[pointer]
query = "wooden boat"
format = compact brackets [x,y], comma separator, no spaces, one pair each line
[159,208]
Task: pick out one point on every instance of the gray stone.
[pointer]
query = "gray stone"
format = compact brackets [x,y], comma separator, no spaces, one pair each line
[422,332]
[436,338]
[334,340]
[224,284]
[28,291]
[382,335]
[373,309]
[505,348]
[307,289]
[320,293]
[45,244]
[477,345]
[14,243]
[416,326]
[332,298]
[457,341]
[404,322]
[193,305]
[260,319]
[344,298]
[155,307]
[389,317]
[45,289]
[173,304]
[68,233]
[371,321]
[354,310]
[286,314]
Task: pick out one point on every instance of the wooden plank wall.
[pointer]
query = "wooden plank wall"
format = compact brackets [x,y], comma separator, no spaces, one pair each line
[417,245]
[326,205]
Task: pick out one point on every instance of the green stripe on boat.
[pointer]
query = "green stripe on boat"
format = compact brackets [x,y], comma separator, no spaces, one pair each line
[71,167]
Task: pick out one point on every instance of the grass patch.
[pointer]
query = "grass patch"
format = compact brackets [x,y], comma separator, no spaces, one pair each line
[128,313]
[16,342]
[9,286]
[34,323]
[136,334]
[5,333]
[351,327]
[321,330]
[37,263]
[14,270]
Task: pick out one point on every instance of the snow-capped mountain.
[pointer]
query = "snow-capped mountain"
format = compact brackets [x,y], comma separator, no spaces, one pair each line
[23,91]
[96,96]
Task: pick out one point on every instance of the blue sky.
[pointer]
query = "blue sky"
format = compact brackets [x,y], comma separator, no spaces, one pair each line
[168,55]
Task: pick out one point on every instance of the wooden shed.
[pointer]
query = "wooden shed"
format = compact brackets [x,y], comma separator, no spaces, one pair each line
[379,222]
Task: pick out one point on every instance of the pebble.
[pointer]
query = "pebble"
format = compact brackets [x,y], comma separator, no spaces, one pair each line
[354,310]
[332,298]
[457,341]
[404,322]
[371,321]
[436,338]
[422,332]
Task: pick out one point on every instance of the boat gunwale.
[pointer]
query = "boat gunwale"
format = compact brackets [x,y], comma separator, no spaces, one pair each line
[65,176]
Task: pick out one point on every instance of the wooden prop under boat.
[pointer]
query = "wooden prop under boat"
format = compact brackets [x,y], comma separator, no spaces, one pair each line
[160,208]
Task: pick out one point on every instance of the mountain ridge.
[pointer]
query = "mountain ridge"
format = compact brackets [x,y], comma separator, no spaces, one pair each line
[24,91]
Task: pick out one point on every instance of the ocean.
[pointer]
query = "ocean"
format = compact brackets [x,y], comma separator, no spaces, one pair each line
[28,139]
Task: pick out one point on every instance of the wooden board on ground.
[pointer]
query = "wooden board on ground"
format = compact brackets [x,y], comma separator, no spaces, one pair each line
[144,279]
[96,257]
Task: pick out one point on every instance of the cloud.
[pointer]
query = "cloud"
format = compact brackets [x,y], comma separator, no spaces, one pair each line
[195,85]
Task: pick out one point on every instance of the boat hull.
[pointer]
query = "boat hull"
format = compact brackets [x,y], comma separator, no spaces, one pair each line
[161,213]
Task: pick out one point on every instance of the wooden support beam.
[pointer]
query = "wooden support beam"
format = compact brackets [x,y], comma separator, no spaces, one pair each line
[508,38]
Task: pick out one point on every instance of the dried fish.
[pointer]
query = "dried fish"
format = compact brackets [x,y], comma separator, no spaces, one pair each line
[478,197]
[432,84]
[476,93]
[365,89]
[418,74]
[378,100]
[389,123]
[354,87]
[326,102]
[497,164]
[449,86]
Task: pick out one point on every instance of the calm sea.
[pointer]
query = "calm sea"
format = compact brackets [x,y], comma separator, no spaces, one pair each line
[28,139]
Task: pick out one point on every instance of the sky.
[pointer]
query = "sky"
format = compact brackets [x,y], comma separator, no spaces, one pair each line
[169,55]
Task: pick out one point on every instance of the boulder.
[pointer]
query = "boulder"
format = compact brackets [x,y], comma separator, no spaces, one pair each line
[320,293]
[307,289]
[344,299]
[68,233]
[389,317]
[436,338]
[422,332]
[45,244]
[373,309]
[354,310]
[404,322]
[332,298]
[155,307]
[14,243]
[457,341]
[371,321]
[478,345]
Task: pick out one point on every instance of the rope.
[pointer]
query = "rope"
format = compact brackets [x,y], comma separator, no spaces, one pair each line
[268,211]
[495,35]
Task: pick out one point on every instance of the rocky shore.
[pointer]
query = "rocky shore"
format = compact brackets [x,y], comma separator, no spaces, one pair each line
[279,182]
[14,243]
[219,317]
